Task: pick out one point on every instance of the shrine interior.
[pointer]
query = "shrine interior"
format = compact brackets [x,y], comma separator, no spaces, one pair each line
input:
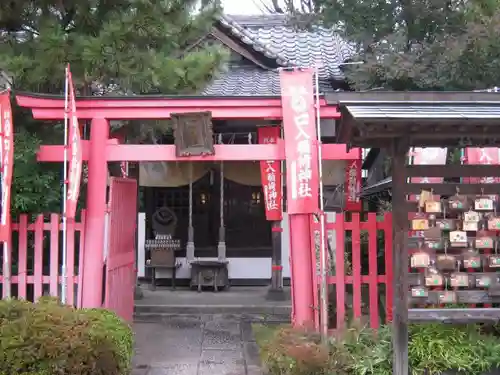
[248,235]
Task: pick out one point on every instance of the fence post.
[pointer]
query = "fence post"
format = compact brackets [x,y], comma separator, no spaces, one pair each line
[373,269]
[340,270]
[38,266]
[388,264]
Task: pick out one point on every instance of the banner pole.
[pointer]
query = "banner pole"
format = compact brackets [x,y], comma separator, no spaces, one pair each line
[6,258]
[322,250]
[65,191]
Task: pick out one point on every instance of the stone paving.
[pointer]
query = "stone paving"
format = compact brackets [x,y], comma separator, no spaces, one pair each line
[195,345]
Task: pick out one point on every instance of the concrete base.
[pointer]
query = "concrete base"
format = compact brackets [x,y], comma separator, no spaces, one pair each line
[238,301]
[277,295]
[138,294]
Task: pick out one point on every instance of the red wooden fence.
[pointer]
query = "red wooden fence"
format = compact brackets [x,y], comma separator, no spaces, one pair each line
[121,277]
[36,258]
[361,250]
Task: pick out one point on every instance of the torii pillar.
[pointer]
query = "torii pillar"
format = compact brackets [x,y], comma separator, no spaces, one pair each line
[93,259]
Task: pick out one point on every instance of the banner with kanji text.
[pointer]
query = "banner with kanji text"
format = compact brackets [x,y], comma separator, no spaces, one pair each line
[301,145]
[352,185]
[270,172]
[7,162]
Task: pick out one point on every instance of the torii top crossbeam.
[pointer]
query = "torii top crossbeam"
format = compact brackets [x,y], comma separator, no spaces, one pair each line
[49,107]
[102,109]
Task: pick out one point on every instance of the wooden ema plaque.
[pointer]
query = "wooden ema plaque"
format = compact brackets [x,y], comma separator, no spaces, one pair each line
[458,258]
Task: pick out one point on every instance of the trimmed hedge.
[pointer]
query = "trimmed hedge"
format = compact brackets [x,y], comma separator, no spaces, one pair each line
[47,338]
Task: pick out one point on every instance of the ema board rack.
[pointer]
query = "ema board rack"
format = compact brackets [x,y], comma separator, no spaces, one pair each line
[456,260]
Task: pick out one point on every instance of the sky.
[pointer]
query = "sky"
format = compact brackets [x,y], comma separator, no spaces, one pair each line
[247,7]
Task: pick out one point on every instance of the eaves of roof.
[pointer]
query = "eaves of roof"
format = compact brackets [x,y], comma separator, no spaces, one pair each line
[247,38]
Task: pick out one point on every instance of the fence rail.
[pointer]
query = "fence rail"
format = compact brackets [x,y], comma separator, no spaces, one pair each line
[360,268]
[36,258]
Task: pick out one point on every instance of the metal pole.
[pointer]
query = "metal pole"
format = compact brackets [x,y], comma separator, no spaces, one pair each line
[65,192]
[322,250]
[221,246]
[190,241]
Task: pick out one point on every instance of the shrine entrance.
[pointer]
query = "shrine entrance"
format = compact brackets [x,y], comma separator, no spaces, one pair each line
[248,233]
[101,148]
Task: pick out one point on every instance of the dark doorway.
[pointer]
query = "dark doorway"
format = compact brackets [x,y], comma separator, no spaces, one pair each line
[248,234]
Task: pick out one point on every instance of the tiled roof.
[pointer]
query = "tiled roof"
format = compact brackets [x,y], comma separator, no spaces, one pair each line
[316,46]
[247,37]
[251,80]
[272,36]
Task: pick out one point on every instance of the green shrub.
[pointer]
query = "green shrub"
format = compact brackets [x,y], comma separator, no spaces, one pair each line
[433,349]
[288,351]
[47,338]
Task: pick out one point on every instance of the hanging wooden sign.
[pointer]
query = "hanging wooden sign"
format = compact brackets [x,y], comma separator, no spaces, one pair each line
[494,223]
[483,204]
[420,259]
[470,226]
[420,224]
[484,242]
[459,280]
[447,296]
[483,281]
[433,207]
[458,238]
[494,261]
[472,216]
[419,292]
[434,279]
[193,134]
[446,262]
[446,224]
[458,203]
[472,259]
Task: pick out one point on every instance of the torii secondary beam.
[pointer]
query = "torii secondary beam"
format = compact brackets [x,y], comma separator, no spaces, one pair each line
[145,153]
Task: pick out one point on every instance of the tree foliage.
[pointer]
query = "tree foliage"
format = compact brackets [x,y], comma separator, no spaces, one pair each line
[122,47]
[140,46]
[413,45]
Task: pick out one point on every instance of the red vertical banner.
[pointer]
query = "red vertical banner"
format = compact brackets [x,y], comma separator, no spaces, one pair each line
[75,151]
[301,145]
[483,156]
[352,185]
[7,162]
[270,174]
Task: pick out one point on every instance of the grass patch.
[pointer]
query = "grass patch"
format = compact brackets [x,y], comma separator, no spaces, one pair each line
[359,350]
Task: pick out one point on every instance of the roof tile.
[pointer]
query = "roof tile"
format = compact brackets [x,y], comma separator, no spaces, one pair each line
[316,46]
[290,47]
[251,81]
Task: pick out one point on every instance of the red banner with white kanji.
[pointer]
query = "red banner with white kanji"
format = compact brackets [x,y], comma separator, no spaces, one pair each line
[352,185]
[270,175]
[301,145]
[75,151]
[482,156]
[7,162]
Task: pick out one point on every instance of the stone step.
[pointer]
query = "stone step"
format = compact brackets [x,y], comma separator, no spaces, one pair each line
[268,314]
[213,309]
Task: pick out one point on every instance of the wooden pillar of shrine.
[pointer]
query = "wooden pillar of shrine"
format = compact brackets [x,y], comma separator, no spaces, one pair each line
[399,151]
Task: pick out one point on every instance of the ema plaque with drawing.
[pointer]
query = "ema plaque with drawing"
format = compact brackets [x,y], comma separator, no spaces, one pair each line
[193,134]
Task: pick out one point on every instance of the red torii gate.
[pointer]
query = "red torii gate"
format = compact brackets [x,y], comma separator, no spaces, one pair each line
[98,152]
